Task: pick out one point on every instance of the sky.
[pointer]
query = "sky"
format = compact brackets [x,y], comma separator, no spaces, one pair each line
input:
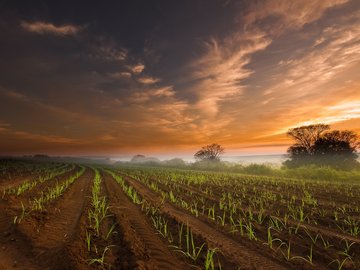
[166,77]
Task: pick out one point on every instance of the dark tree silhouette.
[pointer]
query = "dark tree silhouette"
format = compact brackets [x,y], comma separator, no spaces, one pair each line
[345,136]
[315,146]
[306,136]
[211,152]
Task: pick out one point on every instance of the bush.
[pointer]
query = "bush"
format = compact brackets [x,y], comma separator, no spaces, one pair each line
[322,173]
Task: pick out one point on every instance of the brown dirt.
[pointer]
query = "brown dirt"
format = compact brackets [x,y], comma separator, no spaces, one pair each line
[14,202]
[19,179]
[55,237]
[151,252]
[242,255]
[326,232]
[15,182]
[42,243]
[58,231]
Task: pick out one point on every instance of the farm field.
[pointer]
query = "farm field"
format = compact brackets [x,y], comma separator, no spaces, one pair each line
[75,216]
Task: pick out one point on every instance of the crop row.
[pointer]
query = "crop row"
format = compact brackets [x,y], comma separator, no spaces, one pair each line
[15,168]
[97,231]
[46,175]
[37,203]
[178,234]
[286,231]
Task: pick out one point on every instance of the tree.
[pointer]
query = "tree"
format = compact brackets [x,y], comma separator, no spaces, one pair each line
[211,152]
[345,136]
[306,136]
[337,148]
[313,145]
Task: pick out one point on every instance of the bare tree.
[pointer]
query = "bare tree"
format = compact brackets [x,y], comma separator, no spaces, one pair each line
[211,152]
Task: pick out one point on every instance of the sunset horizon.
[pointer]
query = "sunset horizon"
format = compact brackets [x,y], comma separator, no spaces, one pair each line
[164,78]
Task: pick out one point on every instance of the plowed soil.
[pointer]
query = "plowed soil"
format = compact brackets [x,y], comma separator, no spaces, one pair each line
[42,238]
[55,238]
[151,252]
[242,255]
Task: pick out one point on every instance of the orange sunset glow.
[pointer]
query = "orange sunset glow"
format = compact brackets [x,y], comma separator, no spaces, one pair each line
[166,77]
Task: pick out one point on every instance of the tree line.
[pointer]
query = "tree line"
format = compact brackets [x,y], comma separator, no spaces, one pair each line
[314,144]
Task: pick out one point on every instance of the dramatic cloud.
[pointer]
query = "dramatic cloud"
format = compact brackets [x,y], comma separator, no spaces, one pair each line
[320,74]
[239,74]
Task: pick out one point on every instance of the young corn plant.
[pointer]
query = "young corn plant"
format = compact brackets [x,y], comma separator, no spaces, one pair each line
[161,225]
[270,238]
[209,259]
[340,263]
[347,248]
[325,242]
[250,231]
[192,251]
[97,213]
[100,260]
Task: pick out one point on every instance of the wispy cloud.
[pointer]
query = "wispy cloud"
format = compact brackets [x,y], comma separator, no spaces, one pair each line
[4,126]
[5,129]
[148,80]
[147,95]
[108,50]
[287,14]
[48,107]
[221,71]
[243,83]
[337,113]
[45,138]
[120,75]
[137,69]
[41,27]
[224,67]
[222,74]
[319,75]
